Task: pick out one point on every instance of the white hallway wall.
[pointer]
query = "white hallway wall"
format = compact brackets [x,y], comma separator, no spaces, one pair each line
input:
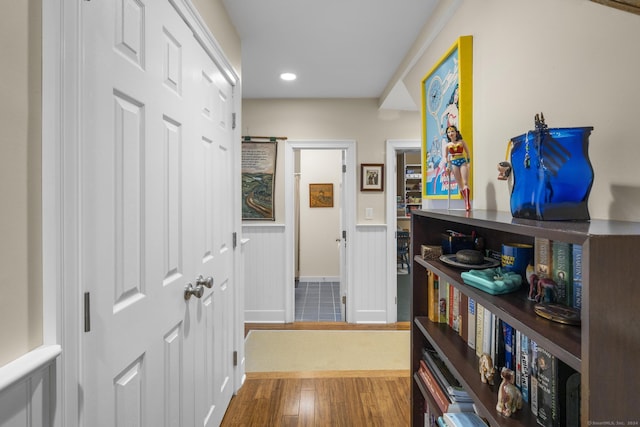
[324,119]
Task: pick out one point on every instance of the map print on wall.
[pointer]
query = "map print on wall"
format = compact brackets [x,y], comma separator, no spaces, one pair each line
[258,178]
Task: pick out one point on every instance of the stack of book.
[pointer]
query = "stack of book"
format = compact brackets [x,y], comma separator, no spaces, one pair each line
[445,389]
[461,419]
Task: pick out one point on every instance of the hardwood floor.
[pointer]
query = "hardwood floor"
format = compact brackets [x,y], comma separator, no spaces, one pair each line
[341,401]
[328,398]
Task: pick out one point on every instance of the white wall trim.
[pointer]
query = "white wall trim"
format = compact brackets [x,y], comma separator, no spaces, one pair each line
[394,145]
[22,367]
[349,190]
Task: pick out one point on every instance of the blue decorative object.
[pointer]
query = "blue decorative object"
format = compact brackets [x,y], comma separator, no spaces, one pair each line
[552,173]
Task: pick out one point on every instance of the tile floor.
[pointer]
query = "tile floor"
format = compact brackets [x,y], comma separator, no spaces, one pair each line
[318,302]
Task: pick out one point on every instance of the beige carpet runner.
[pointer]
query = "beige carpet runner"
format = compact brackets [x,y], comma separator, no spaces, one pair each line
[290,351]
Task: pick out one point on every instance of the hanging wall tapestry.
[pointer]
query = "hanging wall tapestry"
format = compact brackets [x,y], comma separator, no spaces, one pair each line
[447,102]
[258,177]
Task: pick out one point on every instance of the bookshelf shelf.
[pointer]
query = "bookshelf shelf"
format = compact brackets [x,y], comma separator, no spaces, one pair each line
[609,307]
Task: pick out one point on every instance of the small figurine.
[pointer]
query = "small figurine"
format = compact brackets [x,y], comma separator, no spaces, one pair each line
[509,397]
[487,371]
[547,290]
[504,171]
[532,280]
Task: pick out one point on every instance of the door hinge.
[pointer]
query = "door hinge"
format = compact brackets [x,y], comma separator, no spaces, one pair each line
[235,239]
[87,312]
[344,235]
[344,299]
[344,168]
[233,120]
[235,358]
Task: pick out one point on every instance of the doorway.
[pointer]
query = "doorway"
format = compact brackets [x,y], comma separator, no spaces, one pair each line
[404,194]
[344,198]
[318,175]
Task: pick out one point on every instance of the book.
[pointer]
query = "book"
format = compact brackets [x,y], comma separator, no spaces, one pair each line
[533,377]
[479,329]
[576,272]
[431,384]
[447,381]
[439,395]
[443,291]
[542,257]
[562,266]
[517,341]
[553,376]
[486,334]
[432,296]
[463,419]
[508,339]
[471,323]
[525,371]
[454,317]
[464,316]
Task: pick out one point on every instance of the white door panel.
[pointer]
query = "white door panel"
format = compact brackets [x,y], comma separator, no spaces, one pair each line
[156,214]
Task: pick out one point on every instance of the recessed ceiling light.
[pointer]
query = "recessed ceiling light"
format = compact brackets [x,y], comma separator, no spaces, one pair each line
[288,76]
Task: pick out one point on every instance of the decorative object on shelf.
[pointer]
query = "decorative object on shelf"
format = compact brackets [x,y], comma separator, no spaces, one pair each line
[504,171]
[493,281]
[469,256]
[371,177]
[509,397]
[486,369]
[452,260]
[516,257]
[452,242]
[431,252]
[558,313]
[447,100]
[552,173]
[321,195]
[545,289]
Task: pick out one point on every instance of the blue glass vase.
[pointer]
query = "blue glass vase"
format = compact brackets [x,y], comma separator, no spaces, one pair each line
[552,174]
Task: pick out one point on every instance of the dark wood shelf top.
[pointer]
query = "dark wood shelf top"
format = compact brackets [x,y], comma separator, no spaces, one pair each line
[463,363]
[564,341]
[568,231]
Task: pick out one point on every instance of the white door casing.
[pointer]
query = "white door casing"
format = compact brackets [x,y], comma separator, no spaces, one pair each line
[156,213]
[348,191]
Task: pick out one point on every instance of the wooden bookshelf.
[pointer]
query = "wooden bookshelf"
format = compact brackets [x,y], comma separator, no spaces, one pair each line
[603,349]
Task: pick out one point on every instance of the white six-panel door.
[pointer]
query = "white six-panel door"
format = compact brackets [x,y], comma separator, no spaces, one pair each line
[156,213]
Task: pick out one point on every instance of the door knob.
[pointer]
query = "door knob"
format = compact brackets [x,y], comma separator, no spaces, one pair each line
[208,282]
[189,290]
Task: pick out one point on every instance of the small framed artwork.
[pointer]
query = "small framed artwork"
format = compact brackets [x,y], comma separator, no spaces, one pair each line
[371,177]
[321,195]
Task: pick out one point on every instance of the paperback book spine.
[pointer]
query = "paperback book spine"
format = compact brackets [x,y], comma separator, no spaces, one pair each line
[562,265]
[432,385]
[432,297]
[479,329]
[524,354]
[471,323]
[542,257]
[576,295]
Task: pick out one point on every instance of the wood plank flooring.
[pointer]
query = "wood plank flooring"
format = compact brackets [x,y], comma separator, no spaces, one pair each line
[327,398]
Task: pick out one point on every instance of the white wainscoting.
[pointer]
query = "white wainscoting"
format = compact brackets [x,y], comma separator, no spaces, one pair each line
[27,391]
[370,274]
[264,275]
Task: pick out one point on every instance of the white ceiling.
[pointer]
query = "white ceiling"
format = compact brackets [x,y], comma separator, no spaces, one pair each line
[338,48]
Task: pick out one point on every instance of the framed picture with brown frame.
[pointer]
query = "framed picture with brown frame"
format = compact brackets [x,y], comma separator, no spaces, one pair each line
[321,195]
[371,177]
